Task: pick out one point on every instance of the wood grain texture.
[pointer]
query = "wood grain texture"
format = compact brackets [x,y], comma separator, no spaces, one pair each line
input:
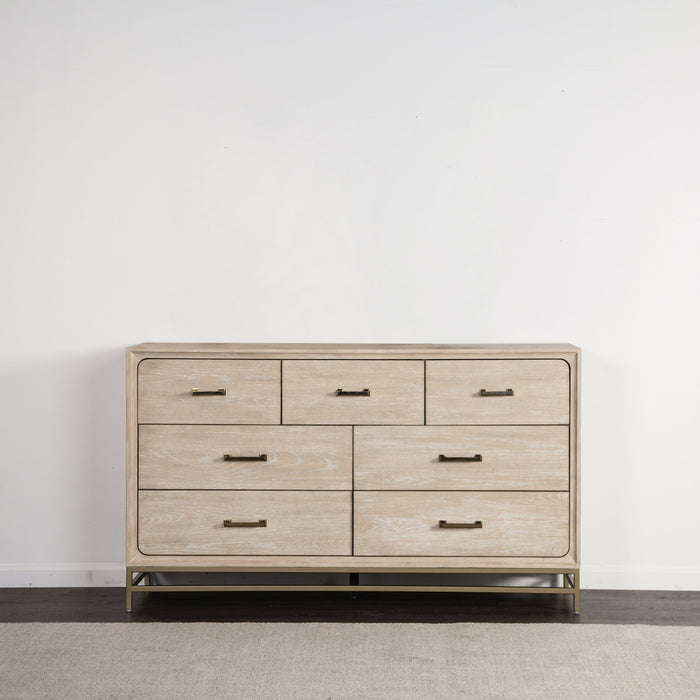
[309,391]
[575,452]
[514,457]
[131,456]
[252,391]
[541,392]
[298,522]
[525,524]
[406,564]
[298,457]
[350,350]
[269,560]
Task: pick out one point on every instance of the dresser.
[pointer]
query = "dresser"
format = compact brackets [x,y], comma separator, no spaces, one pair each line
[354,459]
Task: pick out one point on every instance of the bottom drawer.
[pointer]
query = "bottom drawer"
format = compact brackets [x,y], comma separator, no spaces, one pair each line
[505,524]
[259,522]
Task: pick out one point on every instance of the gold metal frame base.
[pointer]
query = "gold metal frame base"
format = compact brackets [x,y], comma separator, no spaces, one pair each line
[138,579]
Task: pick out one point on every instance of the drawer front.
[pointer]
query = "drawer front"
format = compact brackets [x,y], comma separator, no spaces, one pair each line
[252,391]
[493,457]
[512,524]
[214,457]
[394,391]
[296,522]
[454,388]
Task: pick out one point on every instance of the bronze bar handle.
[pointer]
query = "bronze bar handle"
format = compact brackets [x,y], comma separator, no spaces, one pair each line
[343,392]
[215,392]
[466,526]
[245,523]
[507,392]
[475,458]
[252,458]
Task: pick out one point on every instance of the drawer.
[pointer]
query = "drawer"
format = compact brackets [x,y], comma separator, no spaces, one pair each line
[525,458]
[529,524]
[252,391]
[353,391]
[296,522]
[281,457]
[483,392]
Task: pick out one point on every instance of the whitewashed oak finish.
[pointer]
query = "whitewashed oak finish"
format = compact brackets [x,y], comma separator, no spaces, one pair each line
[342,351]
[425,355]
[252,391]
[298,522]
[517,458]
[541,392]
[192,457]
[391,523]
[309,392]
[368,564]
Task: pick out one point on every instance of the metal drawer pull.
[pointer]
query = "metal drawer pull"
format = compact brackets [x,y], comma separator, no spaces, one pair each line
[215,392]
[252,458]
[343,392]
[475,458]
[245,523]
[507,392]
[467,526]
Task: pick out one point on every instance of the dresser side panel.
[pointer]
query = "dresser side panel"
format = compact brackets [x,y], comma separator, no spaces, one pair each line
[575,452]
[132,360]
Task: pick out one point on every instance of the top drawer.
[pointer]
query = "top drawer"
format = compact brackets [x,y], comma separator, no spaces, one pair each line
[482,392]
[249,391]
[364,392]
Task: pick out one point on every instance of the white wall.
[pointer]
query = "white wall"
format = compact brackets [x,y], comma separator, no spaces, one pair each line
[481,171]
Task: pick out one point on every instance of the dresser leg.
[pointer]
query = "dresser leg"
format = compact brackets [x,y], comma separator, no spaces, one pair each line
[128,590]
[577,593]
[354,580]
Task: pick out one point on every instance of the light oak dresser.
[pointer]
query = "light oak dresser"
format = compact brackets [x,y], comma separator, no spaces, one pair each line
[365,459]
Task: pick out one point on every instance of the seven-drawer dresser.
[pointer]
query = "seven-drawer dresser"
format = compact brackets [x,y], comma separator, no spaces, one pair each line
[364,459]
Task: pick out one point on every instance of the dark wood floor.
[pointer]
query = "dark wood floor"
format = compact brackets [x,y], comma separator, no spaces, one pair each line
[107,605]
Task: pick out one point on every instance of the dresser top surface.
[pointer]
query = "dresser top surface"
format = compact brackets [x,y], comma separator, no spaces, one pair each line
[352,349]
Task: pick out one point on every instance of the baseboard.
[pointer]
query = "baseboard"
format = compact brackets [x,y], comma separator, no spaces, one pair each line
[641,578]
[648,578]
[61,575]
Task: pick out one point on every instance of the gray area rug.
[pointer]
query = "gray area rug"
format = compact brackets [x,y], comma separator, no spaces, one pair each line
[319,660]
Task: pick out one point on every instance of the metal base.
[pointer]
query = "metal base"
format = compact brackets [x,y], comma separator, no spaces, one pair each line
[138,580]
